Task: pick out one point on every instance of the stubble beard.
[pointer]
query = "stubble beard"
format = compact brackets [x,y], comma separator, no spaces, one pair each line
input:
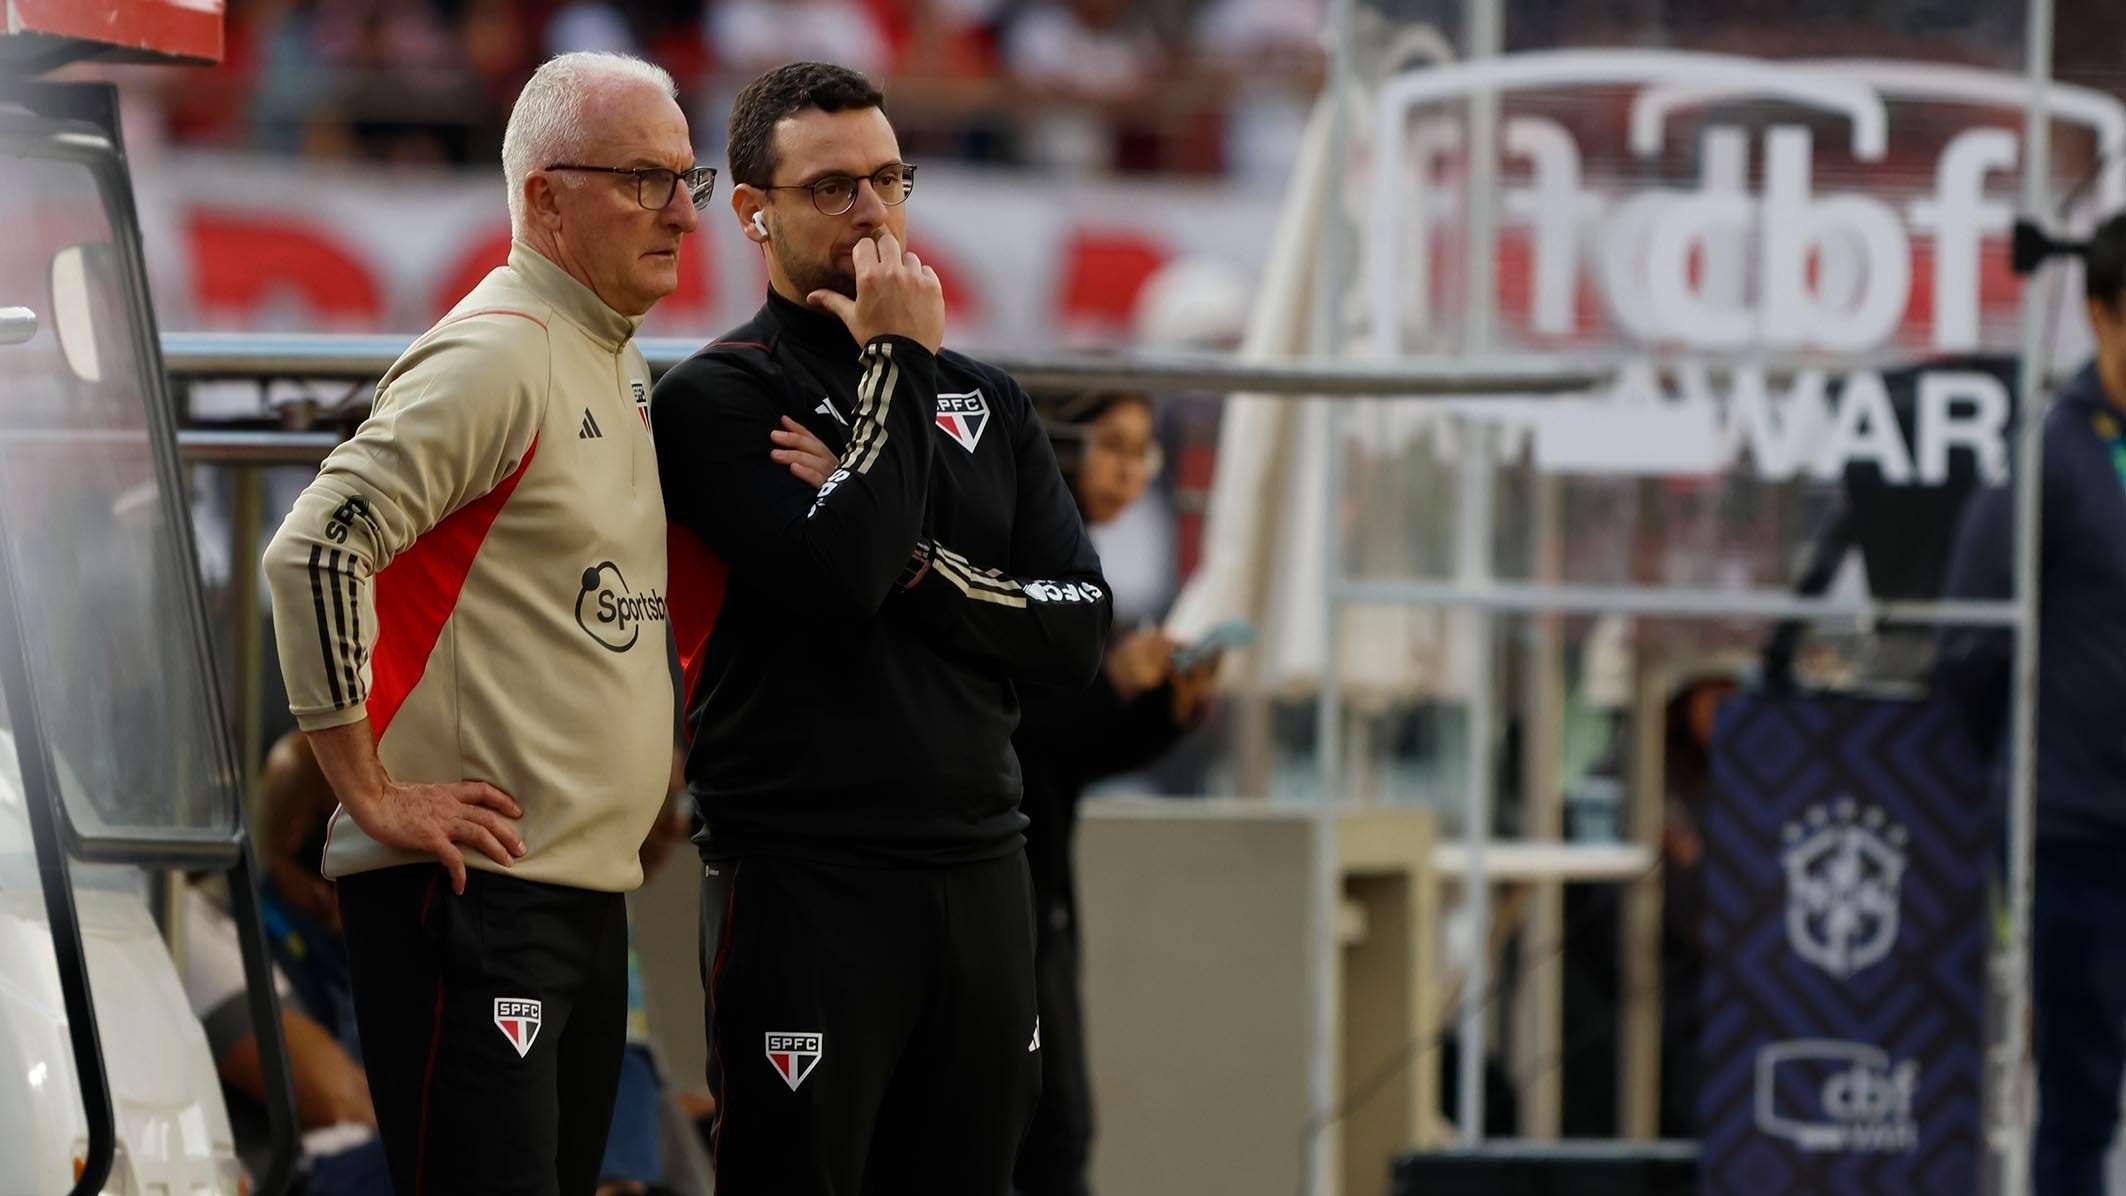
[807,277]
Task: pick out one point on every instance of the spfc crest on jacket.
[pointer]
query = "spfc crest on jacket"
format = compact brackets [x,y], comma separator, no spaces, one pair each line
[795,1055]
[518,1019]
[963,417]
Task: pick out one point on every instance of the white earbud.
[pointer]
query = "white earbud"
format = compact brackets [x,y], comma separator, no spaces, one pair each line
[760,226]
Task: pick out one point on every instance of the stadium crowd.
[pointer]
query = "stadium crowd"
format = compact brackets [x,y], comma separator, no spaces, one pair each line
[1178,86]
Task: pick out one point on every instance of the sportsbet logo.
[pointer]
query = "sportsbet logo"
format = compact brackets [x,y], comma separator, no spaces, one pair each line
[611,613]
[795,1055]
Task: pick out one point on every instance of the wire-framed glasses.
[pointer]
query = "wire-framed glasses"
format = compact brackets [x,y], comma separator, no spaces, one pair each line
[836,193]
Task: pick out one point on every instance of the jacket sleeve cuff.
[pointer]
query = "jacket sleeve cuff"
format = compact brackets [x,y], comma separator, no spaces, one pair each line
[325,720]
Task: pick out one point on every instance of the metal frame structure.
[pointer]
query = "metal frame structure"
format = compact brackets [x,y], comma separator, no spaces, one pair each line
[355,356]
[68,123]
[1475,588]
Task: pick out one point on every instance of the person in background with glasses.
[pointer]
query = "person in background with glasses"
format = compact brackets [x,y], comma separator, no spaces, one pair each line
[469,603]
[854,645]
[1070,737]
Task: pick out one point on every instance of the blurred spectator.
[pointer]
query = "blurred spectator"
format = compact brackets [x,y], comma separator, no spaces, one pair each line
[589,25]
[501,49]
[752,36]
[342,1156]
[948,100]
[398,89]
[283,67]
[1266,56]
[1139,706]
[745,38]
[379,34]
[1091,68]
[300,907]
[1086,85]
[1693,712]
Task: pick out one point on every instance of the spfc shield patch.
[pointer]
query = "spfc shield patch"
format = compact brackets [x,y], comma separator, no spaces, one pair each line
[964,417]
[795,1056]
[518,1019]
[641,391]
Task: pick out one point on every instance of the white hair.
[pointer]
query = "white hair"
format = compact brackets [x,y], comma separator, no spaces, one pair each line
[546,125]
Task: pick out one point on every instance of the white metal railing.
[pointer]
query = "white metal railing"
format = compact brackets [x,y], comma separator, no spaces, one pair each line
[285,355]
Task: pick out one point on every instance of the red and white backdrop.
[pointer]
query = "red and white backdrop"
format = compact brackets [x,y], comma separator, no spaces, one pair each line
[271,245]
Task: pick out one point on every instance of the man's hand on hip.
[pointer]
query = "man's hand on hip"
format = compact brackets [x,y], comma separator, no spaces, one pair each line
[436,819]
[896,295]
[430,819]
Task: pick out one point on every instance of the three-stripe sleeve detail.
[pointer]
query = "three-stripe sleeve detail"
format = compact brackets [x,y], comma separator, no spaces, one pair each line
[973,581]
[988,585]
[874,399]
[339,631]
[324,625]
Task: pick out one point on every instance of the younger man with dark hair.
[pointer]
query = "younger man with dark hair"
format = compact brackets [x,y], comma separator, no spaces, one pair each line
[853,646]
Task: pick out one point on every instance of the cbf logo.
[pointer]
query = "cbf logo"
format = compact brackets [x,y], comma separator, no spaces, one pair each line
[1863,207]
[518,1019]
[1827,1095]
[1844,874]
[795,1055]
[963,417]
[611,613]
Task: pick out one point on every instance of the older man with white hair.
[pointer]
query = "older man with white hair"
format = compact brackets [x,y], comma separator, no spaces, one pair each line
[469,602]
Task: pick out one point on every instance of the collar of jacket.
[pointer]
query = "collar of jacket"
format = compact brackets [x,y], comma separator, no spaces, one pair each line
[578,303]
[819,329]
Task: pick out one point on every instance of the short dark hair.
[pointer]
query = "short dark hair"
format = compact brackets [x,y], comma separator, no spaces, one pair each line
[1086,406]
[782,92]
[2104,280]
[1066,416]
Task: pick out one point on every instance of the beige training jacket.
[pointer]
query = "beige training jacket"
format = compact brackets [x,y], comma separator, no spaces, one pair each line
[480,571]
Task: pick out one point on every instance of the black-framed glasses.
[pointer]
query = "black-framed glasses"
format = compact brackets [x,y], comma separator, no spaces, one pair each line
[654,185]
[836,193]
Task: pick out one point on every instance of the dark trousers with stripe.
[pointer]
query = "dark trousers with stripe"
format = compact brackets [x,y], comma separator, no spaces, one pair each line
[492,1024]
[873,1031]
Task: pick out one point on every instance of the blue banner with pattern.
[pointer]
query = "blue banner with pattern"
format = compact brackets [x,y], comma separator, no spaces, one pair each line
[1847,850]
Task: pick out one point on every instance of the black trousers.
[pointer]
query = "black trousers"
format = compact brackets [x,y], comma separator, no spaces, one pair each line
[492,1027]
[1053,1159]
[2079,1012]
[872,1031]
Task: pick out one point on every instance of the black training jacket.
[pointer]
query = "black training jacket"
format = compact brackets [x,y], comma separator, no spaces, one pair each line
[836,712]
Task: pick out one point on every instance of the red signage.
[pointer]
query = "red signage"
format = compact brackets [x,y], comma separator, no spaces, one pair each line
[143,30]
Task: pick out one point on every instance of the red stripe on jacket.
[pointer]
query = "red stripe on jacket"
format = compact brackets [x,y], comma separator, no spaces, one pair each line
[417,592]
[696,580]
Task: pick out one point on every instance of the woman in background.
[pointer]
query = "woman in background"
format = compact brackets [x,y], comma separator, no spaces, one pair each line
[1067,739]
